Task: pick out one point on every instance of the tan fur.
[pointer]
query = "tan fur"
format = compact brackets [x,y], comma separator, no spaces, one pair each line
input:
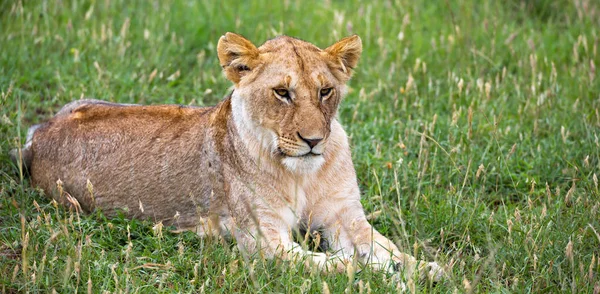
[244,167]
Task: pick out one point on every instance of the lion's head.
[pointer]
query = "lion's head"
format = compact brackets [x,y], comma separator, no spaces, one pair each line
[287,93]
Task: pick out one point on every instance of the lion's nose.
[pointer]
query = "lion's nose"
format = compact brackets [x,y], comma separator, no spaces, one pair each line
[312,142]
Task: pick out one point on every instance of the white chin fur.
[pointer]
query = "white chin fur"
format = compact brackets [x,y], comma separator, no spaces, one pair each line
[303,165]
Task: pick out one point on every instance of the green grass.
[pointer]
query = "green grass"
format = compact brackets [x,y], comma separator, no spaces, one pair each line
[474,128]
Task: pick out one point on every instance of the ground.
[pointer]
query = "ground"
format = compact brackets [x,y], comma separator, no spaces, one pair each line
[474,127]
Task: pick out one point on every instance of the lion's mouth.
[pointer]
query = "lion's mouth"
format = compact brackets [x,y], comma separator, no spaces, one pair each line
[308,154]
[307,162]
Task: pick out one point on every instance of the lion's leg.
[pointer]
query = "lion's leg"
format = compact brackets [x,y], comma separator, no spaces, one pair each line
[350,234]
[380,252]
[273,241]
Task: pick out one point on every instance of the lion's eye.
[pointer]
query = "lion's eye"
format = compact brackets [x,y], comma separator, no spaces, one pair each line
[325,92]
[282,93]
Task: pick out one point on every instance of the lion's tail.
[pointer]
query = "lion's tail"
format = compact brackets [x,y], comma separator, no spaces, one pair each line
[22,157]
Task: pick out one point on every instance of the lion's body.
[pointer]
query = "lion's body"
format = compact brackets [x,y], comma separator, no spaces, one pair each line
[269,157]
[121,151]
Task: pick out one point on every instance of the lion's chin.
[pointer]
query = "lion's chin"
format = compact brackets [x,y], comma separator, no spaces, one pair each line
[303,164]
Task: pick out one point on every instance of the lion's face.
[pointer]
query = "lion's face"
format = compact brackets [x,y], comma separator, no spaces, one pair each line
[287,93]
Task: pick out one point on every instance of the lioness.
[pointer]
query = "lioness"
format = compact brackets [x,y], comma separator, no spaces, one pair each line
[269,158]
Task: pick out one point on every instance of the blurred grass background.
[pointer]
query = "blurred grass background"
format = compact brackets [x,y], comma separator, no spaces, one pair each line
[474,127]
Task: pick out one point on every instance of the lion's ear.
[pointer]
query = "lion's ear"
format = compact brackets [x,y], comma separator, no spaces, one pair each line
[237,56]
[346,53]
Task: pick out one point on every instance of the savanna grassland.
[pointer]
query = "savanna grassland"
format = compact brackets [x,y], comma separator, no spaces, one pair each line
[474,127]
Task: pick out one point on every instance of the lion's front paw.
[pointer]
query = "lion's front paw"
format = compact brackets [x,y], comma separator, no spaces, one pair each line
[331,264]
[433,271]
